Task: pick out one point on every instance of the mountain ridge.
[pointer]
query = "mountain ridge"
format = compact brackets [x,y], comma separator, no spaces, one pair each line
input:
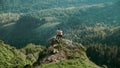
[63,51]
[23,57]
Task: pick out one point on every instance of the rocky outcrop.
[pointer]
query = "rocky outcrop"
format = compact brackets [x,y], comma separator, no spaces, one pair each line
[61,50]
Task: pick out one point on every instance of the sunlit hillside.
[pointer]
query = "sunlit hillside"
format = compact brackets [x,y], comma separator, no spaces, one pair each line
[28,25]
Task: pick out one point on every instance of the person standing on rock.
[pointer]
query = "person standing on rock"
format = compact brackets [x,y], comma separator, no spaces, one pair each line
[59,34]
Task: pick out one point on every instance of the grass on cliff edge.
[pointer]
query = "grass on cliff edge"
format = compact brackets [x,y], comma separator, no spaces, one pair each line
[74,63]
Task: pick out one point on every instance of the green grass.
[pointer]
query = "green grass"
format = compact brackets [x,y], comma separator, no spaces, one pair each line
[74,63]
[10,57]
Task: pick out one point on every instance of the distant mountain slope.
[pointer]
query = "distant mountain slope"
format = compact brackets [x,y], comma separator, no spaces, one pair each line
[114,38]
[32,5]
[85,24]
[104,55]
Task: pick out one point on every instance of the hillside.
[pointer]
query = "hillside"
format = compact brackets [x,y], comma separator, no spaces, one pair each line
[114,36]
[104,55]
[64,53]
[10,57]
[85,24]
[31,5]
[81,63]
[70,55]
[92,23]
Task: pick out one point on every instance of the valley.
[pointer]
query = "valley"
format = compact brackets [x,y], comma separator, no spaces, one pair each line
[94,24]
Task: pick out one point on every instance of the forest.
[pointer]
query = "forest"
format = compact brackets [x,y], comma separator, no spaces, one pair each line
[94,24]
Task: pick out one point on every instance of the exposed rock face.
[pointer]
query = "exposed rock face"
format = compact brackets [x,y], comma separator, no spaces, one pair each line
[61,50]
[54,57]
